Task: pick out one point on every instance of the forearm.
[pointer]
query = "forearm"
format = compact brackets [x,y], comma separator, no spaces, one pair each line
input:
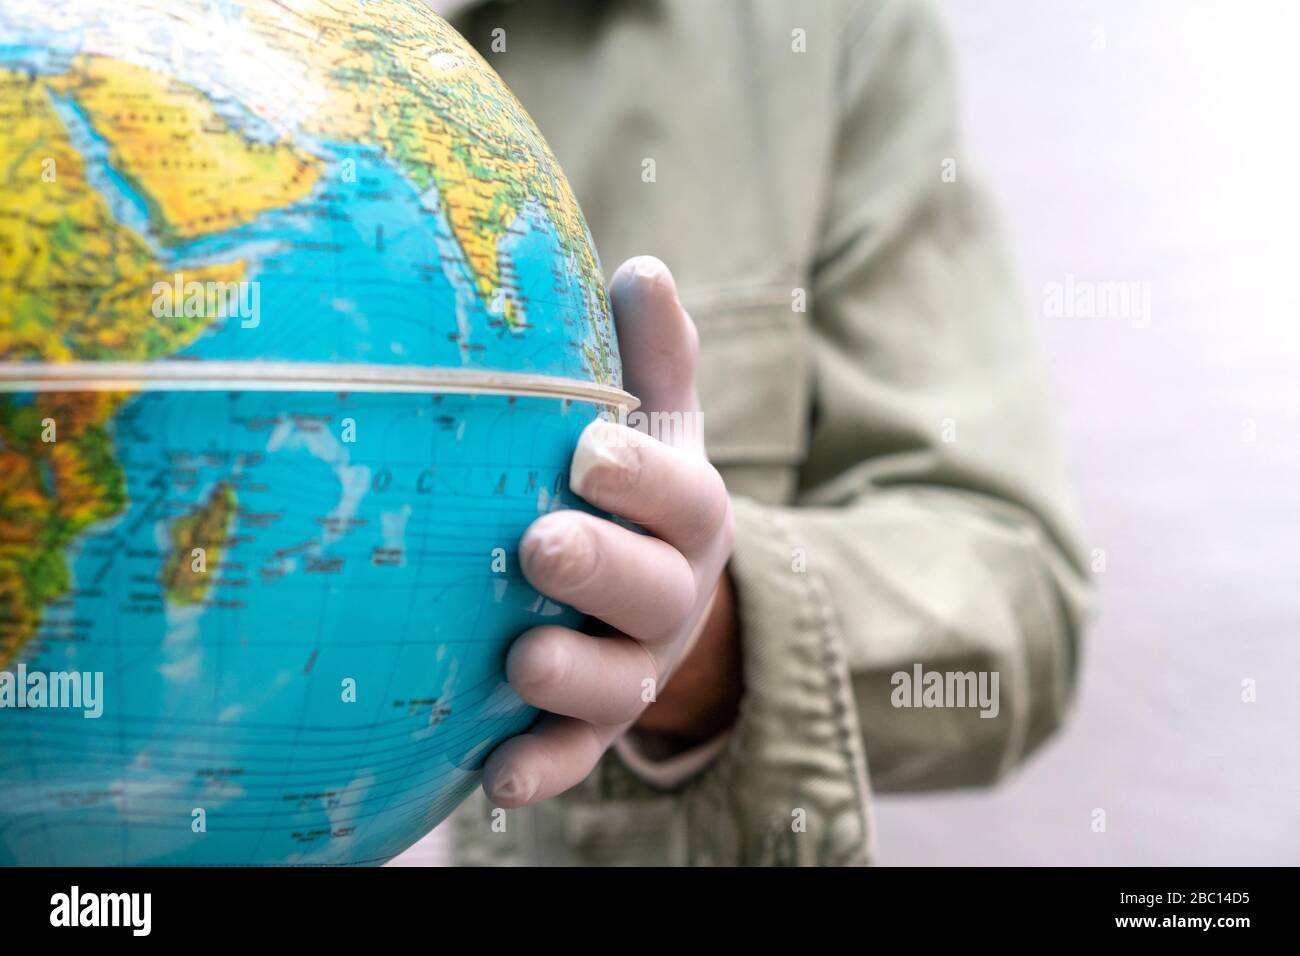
[951,581]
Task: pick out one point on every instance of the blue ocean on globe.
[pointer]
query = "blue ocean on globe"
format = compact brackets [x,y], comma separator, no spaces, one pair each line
[365,566]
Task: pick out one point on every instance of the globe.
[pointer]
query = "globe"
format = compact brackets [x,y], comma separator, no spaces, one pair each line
[300,322]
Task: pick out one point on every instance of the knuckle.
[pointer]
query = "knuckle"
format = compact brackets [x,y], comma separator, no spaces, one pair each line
[712,517]
[688,596]
[559,551]
[539,662]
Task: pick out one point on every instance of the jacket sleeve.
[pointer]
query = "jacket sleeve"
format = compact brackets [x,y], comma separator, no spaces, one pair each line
[933,525]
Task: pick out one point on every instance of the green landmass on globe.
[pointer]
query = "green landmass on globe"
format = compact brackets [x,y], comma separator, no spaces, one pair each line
[204,531]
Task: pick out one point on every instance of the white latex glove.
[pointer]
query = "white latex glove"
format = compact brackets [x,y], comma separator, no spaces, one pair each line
[653,590]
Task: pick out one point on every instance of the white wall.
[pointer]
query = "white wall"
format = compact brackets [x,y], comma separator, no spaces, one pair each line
[1155,142]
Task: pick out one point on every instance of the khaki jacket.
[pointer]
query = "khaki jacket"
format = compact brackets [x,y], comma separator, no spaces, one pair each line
[871,394]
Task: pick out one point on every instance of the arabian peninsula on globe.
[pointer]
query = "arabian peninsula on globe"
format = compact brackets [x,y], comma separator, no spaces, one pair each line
[299,323]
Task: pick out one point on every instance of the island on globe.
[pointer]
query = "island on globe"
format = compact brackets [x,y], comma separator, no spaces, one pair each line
[299,323]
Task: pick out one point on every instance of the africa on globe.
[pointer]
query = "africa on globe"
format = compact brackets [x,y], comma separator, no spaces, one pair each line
[299,324]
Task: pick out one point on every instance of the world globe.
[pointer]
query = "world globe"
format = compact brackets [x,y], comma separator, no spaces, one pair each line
[300,322]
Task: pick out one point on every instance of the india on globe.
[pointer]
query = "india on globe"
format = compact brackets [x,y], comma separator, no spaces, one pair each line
[299,324]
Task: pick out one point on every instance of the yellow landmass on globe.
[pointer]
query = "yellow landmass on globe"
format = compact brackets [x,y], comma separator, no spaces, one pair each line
[388,73]
[187,577]
[400,77]
[197,174]
[74,284]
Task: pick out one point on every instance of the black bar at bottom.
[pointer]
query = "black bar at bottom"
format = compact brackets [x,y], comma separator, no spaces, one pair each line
[334,906]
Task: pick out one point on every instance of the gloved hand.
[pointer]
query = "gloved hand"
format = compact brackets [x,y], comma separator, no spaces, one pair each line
[657,592]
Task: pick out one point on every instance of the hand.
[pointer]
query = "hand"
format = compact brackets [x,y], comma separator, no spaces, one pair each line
[660,594]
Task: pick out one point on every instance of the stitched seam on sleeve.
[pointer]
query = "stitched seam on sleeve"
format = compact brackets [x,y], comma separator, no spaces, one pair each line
[851,747]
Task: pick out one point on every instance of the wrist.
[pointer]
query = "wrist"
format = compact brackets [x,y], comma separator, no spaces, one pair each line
[702,697]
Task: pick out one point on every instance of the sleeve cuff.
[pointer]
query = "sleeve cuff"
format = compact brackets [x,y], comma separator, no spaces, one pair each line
[795,767]
[654,759]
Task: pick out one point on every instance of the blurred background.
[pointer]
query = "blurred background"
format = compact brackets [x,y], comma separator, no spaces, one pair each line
[1154,143]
